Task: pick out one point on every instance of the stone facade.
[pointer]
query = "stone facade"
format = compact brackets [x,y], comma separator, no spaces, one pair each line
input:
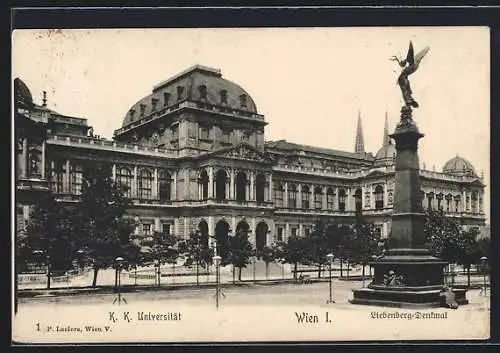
[193,156]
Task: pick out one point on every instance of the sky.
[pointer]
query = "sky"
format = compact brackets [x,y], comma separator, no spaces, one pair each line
[309,83]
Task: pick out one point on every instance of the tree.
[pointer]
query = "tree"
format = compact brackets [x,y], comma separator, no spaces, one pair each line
[468,250]
[295,252]
[197,251]
[441,235]
[103,232]
[337,235]
[49,235]
[268,255]
[317,249]
[363,242]
[159,248]
[240,251]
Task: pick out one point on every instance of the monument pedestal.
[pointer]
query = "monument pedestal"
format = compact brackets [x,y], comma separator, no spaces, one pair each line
[407,275]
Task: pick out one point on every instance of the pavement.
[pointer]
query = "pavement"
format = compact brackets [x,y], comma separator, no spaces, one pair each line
[250,313]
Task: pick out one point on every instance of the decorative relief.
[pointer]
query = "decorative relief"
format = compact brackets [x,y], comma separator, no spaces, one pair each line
[392,279]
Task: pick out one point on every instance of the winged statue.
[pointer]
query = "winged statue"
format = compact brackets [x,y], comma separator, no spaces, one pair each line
[409,66]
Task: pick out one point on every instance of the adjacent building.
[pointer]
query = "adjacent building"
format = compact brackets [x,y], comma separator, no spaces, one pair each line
[193,156]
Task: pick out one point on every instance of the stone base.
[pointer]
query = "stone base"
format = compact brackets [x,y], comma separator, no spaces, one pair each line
[407,278]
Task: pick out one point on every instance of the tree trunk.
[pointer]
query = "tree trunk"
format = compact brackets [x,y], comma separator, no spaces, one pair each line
[363,274]
[197,274]
[94,280]
[295,271]
[348,269]
[267,271]
[239,274]
[468,276]
[116,278]
[319,271]
[341,268]
[234,280]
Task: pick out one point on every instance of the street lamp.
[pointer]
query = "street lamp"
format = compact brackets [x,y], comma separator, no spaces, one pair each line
[47,263]
[118,264]
[329,258]
[217,260]
[484,264]
[254,261]
[157,272]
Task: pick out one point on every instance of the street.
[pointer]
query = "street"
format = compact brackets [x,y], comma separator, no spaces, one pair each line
[250,313]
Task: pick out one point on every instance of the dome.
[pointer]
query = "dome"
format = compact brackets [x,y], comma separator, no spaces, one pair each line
[459,166]
[199,84]
[22,93]
[386,154]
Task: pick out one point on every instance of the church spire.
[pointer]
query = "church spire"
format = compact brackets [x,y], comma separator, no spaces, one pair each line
[386,141]
[360,143]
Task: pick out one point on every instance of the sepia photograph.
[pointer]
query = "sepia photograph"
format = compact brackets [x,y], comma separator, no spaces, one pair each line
[250,184]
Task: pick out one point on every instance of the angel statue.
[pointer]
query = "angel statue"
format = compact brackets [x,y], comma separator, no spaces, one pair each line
[409,65]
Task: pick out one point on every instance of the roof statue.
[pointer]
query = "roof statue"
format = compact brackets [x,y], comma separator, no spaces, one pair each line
[409,66]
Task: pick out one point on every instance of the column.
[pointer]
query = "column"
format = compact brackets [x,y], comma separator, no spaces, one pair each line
[232,193]
[424,200]
[323,195]
[363,190]
[154,194]
[67,188]
[464,201]
[385,195]
[113,172]
[233,225]
[174,194]
[210,182]
[186,227]
[252,187]
[301,230]
[270,195]
[384,229]
[24,159]
[134,183]
[252,235]
[176,226]
[157,225]
[287,231]
[299,196]
[186,184]
[43,160]
[211,230]
[285,196]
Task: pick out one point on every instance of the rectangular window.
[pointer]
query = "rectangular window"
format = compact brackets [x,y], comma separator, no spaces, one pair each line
[146,229]
[165,228]
[294,232]
[175,131]
[225,136]
[76,179]
[278,196]
[307,231]
[318,201]
[204,133]
[57,176]
[280,233]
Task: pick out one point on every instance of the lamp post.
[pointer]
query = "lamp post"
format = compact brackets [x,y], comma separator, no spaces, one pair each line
[329,258]
[47,263]
[217,260]
[157,272]
[118,264]
[484,264]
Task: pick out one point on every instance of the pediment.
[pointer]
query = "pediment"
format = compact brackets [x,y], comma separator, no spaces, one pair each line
[244,152]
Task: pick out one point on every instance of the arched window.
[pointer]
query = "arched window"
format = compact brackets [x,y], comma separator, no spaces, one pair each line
[278,194]
[203,185]
[306,196]
[76,179]
[480,203]
[220,184]
[467,203]
[458,200]
[241,186]
[164,186]
[342,199]
[203,92]
[330,199]
[358,200]
[260,187]
[474,202]
[124,178]
[57,176]
[439,198]
[292,196]
[448,199]
[379,197]
[318,198]
[145,184]
[35,162]
[430,201]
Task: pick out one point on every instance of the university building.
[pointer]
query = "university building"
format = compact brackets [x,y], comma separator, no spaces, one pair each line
[193,156]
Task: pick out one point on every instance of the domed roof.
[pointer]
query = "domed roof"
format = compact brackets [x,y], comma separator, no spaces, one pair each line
[198,83]
[459,166]
[22,93]
[386,154]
